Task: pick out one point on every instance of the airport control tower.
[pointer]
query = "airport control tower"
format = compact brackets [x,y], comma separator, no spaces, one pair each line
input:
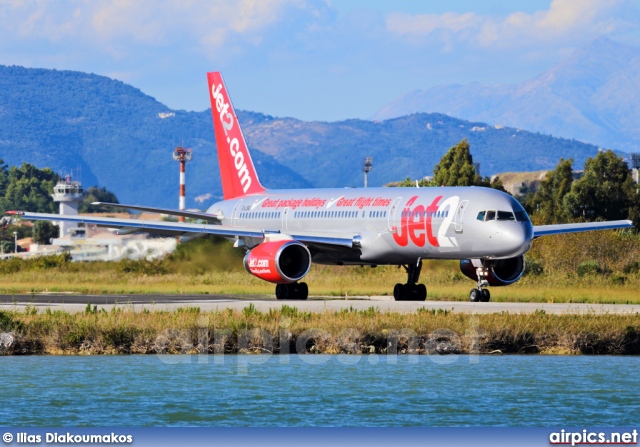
[69,194]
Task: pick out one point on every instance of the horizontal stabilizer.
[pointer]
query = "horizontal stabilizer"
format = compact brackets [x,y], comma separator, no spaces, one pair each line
[171,212]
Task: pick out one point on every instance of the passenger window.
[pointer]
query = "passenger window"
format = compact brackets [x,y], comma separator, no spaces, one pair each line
[491,215]
[505,215]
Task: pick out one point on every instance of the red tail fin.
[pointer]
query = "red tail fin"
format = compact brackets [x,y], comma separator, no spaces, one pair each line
[237,172]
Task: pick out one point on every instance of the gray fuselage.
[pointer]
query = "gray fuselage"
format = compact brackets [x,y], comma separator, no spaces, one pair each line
[394,225]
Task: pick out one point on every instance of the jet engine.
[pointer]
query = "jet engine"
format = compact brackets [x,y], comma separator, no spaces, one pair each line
[279,262]
[500,272]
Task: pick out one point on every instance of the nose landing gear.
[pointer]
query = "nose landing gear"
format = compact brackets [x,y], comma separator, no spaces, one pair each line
[411,291]
[481,294]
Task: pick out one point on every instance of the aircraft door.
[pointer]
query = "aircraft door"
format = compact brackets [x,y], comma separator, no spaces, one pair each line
[236,213]
[392,215]
[285,214]
[459,213]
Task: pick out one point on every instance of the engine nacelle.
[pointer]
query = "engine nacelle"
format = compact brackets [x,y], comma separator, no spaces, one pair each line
[279,262]
[501,272]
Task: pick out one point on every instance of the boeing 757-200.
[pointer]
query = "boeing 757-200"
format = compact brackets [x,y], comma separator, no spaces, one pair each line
[284,231]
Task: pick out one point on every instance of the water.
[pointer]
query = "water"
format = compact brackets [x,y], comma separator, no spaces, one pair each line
[289,391]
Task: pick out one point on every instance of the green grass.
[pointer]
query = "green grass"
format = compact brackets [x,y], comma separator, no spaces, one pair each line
[595,267]
[443,279]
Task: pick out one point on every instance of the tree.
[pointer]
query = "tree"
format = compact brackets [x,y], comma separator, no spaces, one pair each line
[495,183]
[605,191]
[7,237]
[4,177]
[29,189]
[547,203]
[408,183]
[43,231]
[456,167]
[95,194]
[634,209]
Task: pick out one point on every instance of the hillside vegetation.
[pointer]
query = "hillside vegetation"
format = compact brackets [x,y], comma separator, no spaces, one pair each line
[122,139]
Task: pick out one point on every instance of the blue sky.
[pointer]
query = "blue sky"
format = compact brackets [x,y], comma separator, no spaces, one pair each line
[310,59]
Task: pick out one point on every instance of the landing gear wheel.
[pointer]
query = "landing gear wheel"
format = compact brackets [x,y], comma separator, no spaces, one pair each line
[283,292]
[474,295]
[419,292]
[294,291]
[485,296]
[301,290]
[411,291]
[399,292]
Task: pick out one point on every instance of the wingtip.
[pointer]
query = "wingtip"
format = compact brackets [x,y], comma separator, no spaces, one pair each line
[14,213]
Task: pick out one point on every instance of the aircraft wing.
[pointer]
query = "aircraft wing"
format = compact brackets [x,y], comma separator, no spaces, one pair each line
[192,214]
[180,228]
[547,230]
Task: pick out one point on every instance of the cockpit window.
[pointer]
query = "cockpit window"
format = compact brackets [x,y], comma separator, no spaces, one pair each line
[520,216]
[505,215]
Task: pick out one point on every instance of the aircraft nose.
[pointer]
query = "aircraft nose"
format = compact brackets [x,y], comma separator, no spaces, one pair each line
[516,237]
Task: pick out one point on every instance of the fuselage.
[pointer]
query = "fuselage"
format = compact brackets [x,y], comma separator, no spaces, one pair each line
[394,225]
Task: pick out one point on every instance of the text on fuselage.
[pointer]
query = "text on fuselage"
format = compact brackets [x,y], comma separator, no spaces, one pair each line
[227,119]
[416,224]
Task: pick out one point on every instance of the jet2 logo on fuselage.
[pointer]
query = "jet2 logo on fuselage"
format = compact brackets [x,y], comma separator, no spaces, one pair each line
[416,225]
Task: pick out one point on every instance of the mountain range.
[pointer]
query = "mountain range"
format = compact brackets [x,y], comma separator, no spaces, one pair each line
[122,139]
[591,96]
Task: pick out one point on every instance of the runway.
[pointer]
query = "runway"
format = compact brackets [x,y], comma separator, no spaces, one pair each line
[78,303]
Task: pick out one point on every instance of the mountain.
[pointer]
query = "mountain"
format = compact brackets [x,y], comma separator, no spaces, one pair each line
[331,154]
[122,139]
[591,96]
[116,135]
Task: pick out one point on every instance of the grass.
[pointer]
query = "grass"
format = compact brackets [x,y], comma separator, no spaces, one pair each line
[595,267]
[442,278]
[288,330]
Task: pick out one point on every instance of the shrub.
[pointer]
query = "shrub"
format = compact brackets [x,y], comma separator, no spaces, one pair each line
[631,268]
[618,280]
[589,268]
[143,266]
[533,267]
[7,323]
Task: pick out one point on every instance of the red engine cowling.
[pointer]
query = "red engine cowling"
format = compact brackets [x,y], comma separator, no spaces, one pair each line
[502,272]
[279,262]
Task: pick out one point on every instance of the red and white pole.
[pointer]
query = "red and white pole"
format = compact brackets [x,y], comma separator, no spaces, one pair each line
[182,206]
[183,156]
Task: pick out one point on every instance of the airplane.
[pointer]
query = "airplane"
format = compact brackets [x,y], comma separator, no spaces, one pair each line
[285,231]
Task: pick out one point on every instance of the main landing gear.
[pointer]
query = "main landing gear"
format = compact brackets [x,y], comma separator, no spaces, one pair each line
[481,294]
[293,291]
[411,291]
